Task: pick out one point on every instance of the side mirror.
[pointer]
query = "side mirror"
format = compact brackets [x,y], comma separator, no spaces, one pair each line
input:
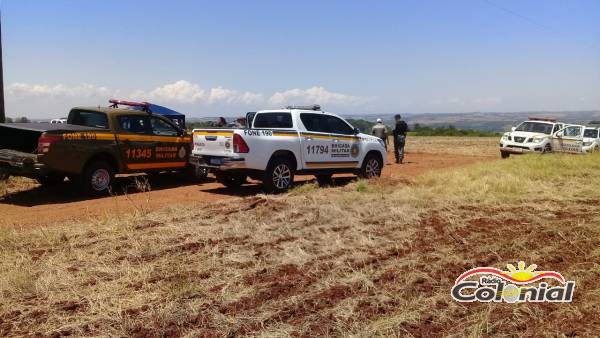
[560,134]
[181,132]
[356,131]
[513,128]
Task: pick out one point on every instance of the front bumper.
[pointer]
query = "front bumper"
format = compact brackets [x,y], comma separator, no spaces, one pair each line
[218,162]
[521,148]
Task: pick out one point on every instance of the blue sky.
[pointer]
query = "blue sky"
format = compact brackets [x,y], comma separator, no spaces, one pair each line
[210,58]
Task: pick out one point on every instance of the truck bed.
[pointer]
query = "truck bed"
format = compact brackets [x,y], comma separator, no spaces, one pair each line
[24,136]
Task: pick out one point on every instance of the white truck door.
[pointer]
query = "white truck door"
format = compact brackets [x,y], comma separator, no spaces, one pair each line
[327,142]
[568,140]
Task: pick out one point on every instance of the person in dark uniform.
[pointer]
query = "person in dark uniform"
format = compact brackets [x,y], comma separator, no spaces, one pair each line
[399,133]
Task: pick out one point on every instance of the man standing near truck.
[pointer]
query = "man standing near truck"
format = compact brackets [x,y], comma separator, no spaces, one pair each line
[399,133]
[380,130]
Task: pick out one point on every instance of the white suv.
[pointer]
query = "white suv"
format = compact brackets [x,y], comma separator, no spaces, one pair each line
[534,135]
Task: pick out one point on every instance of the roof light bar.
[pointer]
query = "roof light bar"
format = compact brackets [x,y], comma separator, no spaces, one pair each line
[116,102]
[313,107]
[533,118]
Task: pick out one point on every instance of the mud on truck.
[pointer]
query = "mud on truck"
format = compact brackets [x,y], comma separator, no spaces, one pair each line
[277,144]
[93,146]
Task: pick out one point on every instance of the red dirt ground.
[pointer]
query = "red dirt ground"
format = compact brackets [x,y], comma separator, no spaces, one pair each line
[41,207]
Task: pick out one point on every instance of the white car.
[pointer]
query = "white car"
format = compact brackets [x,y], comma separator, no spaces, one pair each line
[530,136]
[277,144]
[576,139]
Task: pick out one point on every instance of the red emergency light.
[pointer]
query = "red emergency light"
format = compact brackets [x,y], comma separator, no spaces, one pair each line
[116,103]
[533,118]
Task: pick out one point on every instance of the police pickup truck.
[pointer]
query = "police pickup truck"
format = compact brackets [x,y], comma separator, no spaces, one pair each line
[95,144]
[534,135]
[277,144]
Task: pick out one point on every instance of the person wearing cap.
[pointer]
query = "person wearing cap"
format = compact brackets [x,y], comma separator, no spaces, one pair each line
[399,133]
[380,130]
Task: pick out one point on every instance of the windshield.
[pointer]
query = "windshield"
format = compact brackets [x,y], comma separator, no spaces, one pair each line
[535,127]
[591,133]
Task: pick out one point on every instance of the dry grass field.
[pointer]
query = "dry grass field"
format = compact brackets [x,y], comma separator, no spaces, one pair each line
[371,258]
[474,146]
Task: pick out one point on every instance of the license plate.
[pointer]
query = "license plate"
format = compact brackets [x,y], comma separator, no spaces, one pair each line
[215,161]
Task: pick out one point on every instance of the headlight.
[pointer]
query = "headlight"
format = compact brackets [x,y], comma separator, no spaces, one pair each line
[537,139]
[504,137]
[587,144]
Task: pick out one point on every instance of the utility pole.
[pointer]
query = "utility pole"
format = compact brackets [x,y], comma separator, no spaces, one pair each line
[2,113]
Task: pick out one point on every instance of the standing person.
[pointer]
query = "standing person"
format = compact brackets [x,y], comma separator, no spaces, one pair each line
[380,130]
[399,138]
[221,122]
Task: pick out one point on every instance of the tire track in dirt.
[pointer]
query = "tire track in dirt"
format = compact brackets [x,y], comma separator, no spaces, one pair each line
[38,206]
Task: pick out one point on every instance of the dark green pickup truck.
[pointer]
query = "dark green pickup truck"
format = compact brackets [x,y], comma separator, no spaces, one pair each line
[96,144]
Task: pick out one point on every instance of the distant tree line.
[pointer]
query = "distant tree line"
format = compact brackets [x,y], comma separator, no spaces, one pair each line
[420,130]
[22,119]
[450,130]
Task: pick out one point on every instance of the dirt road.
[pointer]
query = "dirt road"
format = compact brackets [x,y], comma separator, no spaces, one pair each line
[41,207]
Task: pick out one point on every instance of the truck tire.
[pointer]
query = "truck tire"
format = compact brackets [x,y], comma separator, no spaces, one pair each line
[504,154]
[324,180]
[231,180]
[547,148]
[371,166]
[279,175]
[97,178]
[51,180]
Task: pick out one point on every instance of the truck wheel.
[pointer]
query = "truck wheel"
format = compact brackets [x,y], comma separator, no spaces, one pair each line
[504,154]
[51,180]
[97,178]
[547,148]
[371,167]
[279,175]
[200,173]
[231,180]
[324,180]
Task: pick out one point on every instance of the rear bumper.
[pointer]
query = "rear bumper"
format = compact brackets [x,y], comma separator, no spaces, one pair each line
[21,164]
[218,162]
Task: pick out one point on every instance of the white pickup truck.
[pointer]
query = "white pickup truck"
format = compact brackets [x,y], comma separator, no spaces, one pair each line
[277,144]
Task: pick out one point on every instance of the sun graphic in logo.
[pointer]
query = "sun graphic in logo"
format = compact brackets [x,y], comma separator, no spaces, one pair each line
[521,274]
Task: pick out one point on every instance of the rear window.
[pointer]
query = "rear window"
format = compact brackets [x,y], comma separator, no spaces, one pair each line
[273,120]
[88,118]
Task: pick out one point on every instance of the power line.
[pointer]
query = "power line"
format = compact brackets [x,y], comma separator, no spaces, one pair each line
[533,22]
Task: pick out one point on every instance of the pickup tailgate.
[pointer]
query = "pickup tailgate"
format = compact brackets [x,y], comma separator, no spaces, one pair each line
[213,142]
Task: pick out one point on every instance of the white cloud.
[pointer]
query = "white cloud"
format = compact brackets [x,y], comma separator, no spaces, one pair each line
[25,90]
[316,94]
[183,91]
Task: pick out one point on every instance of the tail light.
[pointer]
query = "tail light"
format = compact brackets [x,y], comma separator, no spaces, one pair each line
[239,145]
[45,141]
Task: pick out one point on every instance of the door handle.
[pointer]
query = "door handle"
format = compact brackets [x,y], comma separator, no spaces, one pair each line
[336,140]
[307,138]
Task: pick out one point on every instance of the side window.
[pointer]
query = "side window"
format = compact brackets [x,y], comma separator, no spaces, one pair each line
[314,122]
[573,131]
[162,128]
[273,120]
[135,124]
[338,126]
